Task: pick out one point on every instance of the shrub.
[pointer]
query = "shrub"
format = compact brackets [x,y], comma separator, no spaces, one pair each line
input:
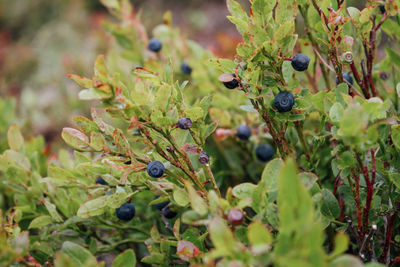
[166,149]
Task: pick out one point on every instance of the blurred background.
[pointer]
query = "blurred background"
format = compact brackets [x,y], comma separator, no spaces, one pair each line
[43,40]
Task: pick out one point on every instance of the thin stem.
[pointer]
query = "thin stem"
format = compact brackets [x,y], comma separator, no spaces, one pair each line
[299,128]
[212,178]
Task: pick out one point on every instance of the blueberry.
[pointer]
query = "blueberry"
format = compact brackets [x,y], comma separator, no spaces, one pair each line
[382,9]
[161,205]
[155,169]
[284,101]
[347,77]
[126,212]
[243,132]
[235,216]
[265,152]
[232,84]
[154,45]
[185,123]
[185,68]
[300,62]
[204,158]
[100,180]
[384,76]
[168,213]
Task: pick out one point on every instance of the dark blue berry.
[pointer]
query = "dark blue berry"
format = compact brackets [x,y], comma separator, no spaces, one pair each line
[160,206]
[284,101]
[100,180]
[168,213]
[185,123]
[300,62]
[384,75]
[382,9]
[265,152]
[126,212]
[232,84]
[155,169]
[347,77]
[185,68]
[154,45]
[204,158]
[243,132]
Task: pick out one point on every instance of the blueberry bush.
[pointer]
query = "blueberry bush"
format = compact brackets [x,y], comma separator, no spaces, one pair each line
[287,155]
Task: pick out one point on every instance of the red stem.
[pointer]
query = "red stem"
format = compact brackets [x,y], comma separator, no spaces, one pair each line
[384,257]
[338,183]
[357,200]
[370,194]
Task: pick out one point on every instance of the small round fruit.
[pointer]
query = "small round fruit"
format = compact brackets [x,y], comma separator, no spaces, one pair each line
[382,9]
[100,180]
[160,206]
[243,132]
[154,45]
[300,62]
[168,213]
[155,169]
[204,158]
[265,152]
[384,76]
[232,84]
[235,216]
[126,212]
[284,101]
[185,123]
[347,77]
[185,68]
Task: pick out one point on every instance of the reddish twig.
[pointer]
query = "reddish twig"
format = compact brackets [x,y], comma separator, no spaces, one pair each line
[336,185]
[385,254]
[356,192]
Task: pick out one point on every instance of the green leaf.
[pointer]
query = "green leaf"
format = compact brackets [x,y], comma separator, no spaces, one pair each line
[154,258]
[82,81]
[15,138]
[125,259]
[197,202]
[259,237]
[221,237]
[80,255]
[270,175]
[117,199]
[244,190]
[224,65]
[347,261]
[181,197]
[396,135]
[341,244]
[236,10]
[40,221]
[75,138]
[93,207]
[100,68]
[336,112]
[85,125]
[194,113]
[51,208]
[330,206]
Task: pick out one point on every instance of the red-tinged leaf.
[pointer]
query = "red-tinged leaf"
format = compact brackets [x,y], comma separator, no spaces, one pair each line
[186,250]
[100,68]
[226,77]
[82,81]
[134,123]
[75,138]
[191,148]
